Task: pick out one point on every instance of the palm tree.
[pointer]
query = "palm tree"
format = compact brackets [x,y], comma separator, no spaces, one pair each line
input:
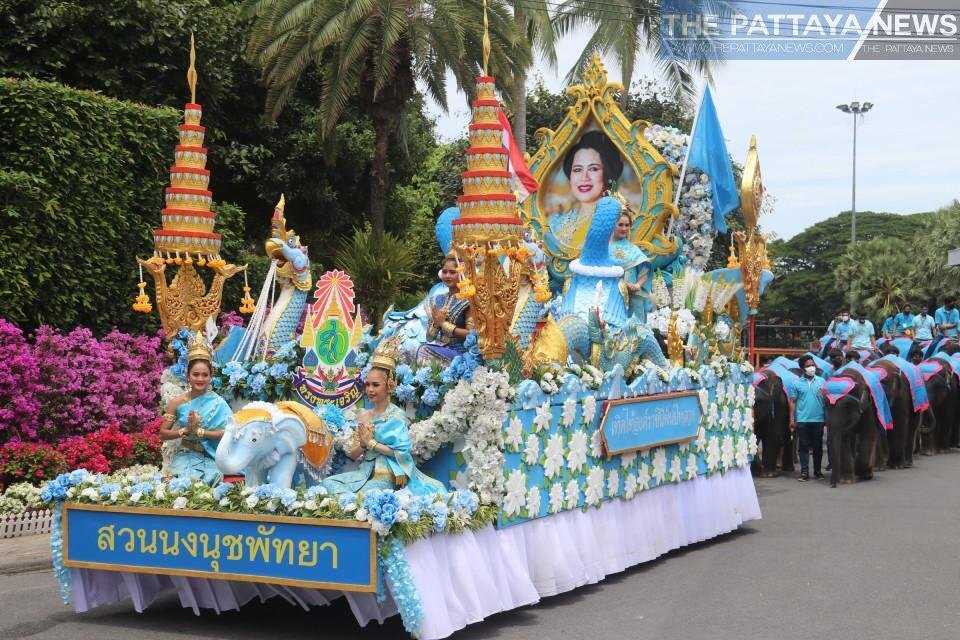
[881,271]
[376,51]
[533,20]
[626,29]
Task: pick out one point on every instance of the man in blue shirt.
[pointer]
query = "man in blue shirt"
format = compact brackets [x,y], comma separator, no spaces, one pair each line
[862,335]
[887,328]
[807,416]
[947,317]
[903,321]
[923,325]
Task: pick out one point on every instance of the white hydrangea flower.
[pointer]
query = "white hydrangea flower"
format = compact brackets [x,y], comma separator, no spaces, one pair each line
[613,483]
[589,409]
[660,464]
[180,503]
[533,501]
[541,422]
[553,464]
[514,435]
[594,489]
[515,498]
[531,452]
[569,412]
[573,494]
[577,456]
[556,497]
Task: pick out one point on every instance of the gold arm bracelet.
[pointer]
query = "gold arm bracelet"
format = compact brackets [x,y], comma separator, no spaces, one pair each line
[448,327]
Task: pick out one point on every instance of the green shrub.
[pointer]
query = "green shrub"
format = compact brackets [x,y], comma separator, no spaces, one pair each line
[379,265]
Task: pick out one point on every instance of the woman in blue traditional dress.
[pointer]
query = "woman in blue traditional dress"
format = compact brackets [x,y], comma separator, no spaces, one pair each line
[381,440]
[636,268]
[591,166]
[449,319]
[197,418]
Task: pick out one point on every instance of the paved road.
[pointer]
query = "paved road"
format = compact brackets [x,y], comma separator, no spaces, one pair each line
[879,560]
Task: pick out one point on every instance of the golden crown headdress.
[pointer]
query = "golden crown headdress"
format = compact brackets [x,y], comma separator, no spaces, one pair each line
[387,354]
[197,348]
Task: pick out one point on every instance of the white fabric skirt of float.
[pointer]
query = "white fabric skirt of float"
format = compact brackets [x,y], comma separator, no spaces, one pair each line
[463,578]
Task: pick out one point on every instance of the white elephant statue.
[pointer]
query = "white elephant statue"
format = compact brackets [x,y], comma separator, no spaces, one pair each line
[264,440]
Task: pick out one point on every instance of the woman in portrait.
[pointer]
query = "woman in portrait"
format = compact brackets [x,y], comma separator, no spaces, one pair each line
[636,267]
[381,439]
[591,166]
[449,319]
[197,417]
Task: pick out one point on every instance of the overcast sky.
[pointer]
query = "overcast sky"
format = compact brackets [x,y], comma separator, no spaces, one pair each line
[908,146]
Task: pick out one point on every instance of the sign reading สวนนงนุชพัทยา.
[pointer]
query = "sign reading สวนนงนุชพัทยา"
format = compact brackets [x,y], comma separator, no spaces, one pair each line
[641,423]
[305,552]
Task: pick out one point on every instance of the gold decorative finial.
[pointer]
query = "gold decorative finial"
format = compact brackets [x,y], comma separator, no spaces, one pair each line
[387,354]
[751,187]
[486,38]
[197,347]
[732,261]
[192,72]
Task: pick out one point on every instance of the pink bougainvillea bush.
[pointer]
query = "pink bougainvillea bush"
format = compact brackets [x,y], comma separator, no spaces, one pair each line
[67,384]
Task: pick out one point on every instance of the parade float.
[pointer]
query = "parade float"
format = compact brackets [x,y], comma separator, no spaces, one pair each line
[596,415]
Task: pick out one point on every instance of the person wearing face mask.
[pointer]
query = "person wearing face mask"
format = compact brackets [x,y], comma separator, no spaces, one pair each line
[924,326]
[888,327]
[903,322]
[947,317]
[807,416]
[840,327]
[862,335]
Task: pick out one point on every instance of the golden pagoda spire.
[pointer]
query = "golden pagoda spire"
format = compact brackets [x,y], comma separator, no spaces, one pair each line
[486,38]
[192,71]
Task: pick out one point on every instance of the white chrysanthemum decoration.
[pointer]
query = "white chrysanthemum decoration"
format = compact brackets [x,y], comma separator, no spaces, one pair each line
[676,469]
[515,498]
[742,452]
[569,413]
[533,502]
[741,395]
[721,329]
[594,489]
[460,481]
[691,467]
[701,441]
[514,435]
[713,416]
[721,392]
[573,494]
[613,483]
[727,452]
[704,397]
[627,459]
[556,497]
[589,409]
[531,450]
[541,421]
[577,455]
[713,453]
[752,443]
[660,465]
[553,462]
[630,486]
[596,444]
[725,416]
[643,476]
[736,420]
[751,395]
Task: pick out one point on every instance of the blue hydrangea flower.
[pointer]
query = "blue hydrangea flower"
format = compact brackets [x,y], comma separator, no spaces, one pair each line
[257,382]
[142,487]
[346,499]
[439,512]
[332,415]
[361,358]
[316,491]
[288,497]
[183,333]
[382,505]
[431,397]
[257,368]
[466,501]
[470,340]
[221,490]
[179,370]
[403,371]
[179,484]
[216,383]
[406,393]
[279,370]
[423,376]
[108,489]
[266,491]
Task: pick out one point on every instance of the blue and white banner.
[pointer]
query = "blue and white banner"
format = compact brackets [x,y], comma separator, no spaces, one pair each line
[305,552]
[641,423]
[798,30]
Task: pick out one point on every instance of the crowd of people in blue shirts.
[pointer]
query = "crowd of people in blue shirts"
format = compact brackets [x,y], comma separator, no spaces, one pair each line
[857,332]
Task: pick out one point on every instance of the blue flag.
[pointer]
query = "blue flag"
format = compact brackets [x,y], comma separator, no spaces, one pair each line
[708,153]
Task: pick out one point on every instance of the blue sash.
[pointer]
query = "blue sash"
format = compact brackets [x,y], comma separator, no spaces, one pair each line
[880,402]
[918,390]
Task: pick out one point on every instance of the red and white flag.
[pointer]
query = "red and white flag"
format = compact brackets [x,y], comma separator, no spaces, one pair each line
[522,177]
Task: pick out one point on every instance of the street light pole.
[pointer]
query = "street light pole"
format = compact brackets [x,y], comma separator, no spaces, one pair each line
[856,109]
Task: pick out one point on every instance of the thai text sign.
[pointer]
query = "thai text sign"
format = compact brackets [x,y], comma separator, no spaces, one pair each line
[306,552]
[650,421]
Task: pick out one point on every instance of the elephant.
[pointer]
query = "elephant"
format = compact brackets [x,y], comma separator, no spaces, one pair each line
[943,389]
[853,428]
[263,442]
[771,424]
[892,445]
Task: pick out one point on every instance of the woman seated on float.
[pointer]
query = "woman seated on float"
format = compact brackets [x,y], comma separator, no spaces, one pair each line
[636,267]
[381,441]
[197,417]
[591,166]
[450,321]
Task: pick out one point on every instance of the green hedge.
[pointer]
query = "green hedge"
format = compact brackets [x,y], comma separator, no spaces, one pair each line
[82,179]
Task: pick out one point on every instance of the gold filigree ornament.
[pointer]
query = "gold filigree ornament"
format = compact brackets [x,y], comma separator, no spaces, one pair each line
[647,178]
[752,245]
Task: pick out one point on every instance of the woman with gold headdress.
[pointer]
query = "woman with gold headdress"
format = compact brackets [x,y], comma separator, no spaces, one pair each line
[449,319]
[636,267]
[381,439]
[197,418]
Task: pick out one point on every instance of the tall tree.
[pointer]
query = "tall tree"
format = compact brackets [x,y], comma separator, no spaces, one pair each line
[533,21]
[938,234]
[378,50]
[627,29]
[881,271]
